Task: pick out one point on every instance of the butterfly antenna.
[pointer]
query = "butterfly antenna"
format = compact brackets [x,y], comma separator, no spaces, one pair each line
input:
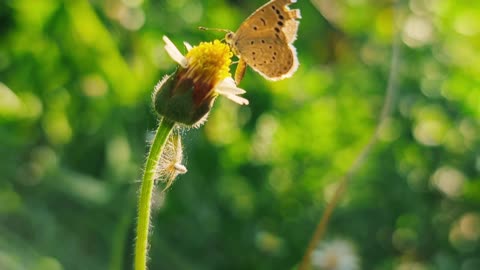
[213,29]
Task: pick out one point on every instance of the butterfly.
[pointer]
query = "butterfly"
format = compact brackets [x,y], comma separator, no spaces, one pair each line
[264,41]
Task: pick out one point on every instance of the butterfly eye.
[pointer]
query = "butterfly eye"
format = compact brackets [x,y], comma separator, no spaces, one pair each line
[229,36]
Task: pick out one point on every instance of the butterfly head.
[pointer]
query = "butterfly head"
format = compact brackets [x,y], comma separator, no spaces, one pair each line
[229,39]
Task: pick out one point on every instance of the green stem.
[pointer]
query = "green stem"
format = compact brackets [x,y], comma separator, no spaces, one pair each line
[146,188]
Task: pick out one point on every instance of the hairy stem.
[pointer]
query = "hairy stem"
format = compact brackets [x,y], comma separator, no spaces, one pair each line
[146,188]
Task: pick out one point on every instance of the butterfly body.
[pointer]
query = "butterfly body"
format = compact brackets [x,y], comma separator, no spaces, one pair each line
[264,40]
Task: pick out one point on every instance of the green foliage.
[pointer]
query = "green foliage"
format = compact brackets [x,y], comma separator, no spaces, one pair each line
[76,79]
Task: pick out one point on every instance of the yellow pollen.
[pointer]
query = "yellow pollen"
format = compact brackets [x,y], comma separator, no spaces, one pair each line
[209,62]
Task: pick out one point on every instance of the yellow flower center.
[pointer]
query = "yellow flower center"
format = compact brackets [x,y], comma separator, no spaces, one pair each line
[209,62]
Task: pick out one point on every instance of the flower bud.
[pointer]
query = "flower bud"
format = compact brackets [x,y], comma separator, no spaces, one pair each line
[176,97]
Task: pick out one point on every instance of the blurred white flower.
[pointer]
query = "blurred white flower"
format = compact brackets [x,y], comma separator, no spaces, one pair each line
[335,255]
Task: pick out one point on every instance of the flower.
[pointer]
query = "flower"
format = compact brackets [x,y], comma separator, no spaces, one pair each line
[336,255]
[204,73]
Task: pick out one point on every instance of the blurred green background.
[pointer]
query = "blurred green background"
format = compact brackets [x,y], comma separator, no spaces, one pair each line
[75,113]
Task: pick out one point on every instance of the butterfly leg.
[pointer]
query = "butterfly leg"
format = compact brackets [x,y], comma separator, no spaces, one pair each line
[240,71]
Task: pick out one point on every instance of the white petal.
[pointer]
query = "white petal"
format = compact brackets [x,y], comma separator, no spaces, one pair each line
[187,45]
[174,53]
[228,85]
[236,99]
[229,81]
[239,100]
[228,89]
